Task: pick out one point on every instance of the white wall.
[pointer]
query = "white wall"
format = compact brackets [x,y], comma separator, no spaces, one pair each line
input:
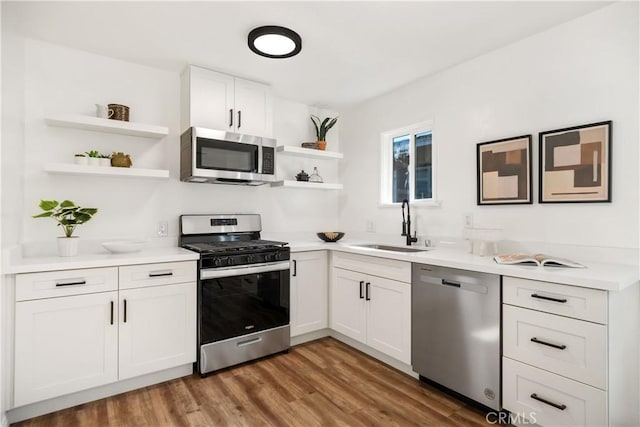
[581,72]
[61,80]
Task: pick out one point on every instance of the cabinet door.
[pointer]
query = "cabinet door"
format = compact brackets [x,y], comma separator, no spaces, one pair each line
[309,292]
[253,109]
[389,318]
[64,345]
[348,315]
[210,101]
[157,328]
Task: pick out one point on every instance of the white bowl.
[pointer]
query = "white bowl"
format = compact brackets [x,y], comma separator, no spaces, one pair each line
[124,246]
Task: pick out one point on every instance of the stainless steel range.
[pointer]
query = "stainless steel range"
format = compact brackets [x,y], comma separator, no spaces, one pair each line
[243,289]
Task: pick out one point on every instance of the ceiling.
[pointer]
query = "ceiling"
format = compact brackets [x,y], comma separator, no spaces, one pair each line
[351,51]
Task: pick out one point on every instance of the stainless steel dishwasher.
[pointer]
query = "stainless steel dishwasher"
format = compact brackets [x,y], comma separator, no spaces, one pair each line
[455,331]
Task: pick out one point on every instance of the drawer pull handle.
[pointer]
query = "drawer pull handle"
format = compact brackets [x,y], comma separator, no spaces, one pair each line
[361,289]
[249,342]
[125,311]
[548,298]
[450,283]
[367,291]
[112,312]
[82,282]
[559,347]
[169,273]
[545,401]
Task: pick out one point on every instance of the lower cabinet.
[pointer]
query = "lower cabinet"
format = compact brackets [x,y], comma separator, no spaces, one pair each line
[156,328]
[84,339]
[309,292]
[373,310]
[63,345]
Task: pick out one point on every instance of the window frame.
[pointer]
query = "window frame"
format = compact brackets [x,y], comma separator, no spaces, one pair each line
[386,164]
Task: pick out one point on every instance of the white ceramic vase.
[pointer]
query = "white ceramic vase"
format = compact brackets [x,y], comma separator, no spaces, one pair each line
[105,162]
[93,161]
[68,246]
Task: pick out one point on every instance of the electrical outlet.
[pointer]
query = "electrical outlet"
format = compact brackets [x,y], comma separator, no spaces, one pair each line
[163,228]
[371,226]
[468,220]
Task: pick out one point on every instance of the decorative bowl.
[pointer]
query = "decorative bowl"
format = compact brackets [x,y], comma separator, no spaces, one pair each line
[330,236]
[125,246]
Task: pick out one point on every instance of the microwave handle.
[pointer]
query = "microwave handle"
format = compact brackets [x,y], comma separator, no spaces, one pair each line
[230,117]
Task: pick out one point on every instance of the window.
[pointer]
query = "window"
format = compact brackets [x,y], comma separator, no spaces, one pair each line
[407,170]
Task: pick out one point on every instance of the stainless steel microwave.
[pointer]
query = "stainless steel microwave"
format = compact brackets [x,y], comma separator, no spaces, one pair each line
[220,157]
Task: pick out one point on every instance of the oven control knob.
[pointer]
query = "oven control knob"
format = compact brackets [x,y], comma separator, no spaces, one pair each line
[269,257]
[249,259]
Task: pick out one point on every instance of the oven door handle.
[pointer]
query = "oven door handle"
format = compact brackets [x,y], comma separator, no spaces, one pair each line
[214,273]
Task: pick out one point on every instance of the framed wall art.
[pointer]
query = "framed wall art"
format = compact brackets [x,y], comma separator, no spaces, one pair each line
[575,164]
[504,171]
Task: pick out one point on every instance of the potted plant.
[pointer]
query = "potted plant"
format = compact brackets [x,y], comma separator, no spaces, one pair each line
[322,127]
[69,216]
[80,159]
[105,159]
[93,157]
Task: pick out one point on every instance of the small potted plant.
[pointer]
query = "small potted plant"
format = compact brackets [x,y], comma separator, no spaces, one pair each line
[80,159]
[322,127]
[94,159]
[69,216]
[105,159]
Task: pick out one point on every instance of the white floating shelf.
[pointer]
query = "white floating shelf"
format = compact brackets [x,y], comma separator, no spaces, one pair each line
[308,152]
[107,125]
[73,169]
[307,185]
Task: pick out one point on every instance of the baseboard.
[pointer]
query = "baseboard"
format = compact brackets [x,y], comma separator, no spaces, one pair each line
[47,406]
[311,336]
[400,366]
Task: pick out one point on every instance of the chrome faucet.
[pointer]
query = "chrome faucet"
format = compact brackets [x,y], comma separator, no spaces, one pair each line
[406,224]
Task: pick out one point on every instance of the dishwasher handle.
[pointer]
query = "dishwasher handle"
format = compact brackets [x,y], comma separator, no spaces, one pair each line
[450,283]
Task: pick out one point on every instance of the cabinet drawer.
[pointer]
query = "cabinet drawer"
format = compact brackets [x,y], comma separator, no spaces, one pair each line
[51,284]
[375,266]
[580,351]
[138,276]
[565,300]
[533,392]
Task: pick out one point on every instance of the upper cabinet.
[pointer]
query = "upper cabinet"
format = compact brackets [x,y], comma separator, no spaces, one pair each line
[219,101]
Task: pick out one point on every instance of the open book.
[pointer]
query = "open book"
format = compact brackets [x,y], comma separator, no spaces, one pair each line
[537,259]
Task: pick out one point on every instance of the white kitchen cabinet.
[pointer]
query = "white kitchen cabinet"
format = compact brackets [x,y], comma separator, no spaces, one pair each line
[79,329]
[65,344]
[372,309]
[157,328]
[348,310]
[220,101]
[309,292]
[567,353]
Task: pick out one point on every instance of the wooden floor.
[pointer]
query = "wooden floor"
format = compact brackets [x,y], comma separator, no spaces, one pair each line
[321,383]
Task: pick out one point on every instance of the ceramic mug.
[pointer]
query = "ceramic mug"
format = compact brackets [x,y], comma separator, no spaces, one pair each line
[103,111]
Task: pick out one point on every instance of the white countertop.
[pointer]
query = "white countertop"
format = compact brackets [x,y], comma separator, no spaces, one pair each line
[604,276]
[18,264]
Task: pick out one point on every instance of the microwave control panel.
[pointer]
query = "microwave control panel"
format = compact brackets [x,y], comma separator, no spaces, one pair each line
[268,154]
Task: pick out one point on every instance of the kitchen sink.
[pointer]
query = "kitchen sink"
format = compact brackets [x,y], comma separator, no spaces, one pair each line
[392,248]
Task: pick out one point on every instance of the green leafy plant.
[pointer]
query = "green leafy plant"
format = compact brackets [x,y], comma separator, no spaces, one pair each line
[93,153]
[79,155]
[104,156]
[322,127]
[67,214]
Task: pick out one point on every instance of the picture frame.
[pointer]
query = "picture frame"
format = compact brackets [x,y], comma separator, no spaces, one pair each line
[504,171]
[575,164]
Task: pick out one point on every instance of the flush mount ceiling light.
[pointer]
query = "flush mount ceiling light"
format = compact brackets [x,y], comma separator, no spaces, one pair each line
[272,41]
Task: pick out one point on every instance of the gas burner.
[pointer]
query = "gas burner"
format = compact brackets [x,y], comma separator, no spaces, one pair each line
[233,246]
